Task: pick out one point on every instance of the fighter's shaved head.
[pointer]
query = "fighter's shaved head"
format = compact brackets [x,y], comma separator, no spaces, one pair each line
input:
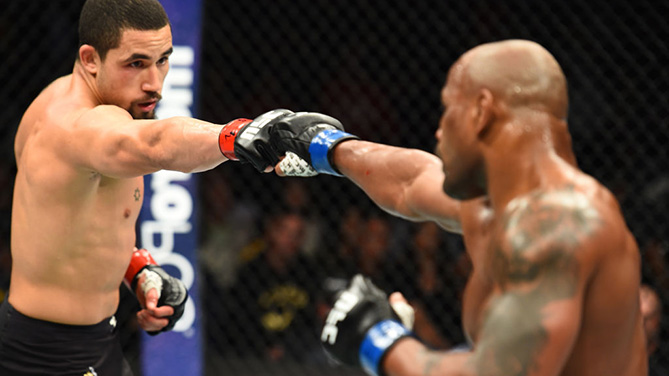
[519,72]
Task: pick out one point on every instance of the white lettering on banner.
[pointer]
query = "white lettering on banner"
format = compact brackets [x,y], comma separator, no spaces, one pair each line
[178,87]
[171,205]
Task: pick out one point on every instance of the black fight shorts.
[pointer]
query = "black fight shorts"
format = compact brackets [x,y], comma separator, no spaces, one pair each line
[34,347]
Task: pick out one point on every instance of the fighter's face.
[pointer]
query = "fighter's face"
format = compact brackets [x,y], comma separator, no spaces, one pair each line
[132,75]
[457,141]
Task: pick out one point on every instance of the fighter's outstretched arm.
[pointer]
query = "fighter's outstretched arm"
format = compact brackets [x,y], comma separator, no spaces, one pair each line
[404,182]
[108,141]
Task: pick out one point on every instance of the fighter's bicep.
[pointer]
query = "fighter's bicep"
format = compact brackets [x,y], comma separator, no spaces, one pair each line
[524,335]
[105,139]
[532,323]
[540,264]
[91,136]
[425,196]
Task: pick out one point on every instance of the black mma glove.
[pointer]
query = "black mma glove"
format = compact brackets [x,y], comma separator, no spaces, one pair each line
[362,326]
[172,291]
[311,136]
[247,140]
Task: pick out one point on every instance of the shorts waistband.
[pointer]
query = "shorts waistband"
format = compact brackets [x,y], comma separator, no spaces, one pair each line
[17,318]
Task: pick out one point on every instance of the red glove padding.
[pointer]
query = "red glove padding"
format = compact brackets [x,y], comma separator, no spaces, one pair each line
[171,291]
[140,259]
[228,135]
[247,140]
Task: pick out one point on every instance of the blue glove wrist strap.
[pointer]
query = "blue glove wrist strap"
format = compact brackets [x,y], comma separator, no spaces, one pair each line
[377,341]
[321,145]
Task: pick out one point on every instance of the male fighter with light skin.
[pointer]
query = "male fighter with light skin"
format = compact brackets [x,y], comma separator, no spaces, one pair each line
[555,283]
[82,149]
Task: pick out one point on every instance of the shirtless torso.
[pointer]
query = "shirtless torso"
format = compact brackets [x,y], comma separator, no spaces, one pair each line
[73,229]
[609,322]
[79,184]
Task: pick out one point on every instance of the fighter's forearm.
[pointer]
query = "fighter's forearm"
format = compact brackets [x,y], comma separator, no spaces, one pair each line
[410,357]
[184,144]
[405,182]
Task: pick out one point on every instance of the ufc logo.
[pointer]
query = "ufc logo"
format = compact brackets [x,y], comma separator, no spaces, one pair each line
[256,125]
[342,307]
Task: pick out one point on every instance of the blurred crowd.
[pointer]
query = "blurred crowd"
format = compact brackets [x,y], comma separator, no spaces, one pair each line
[270,274]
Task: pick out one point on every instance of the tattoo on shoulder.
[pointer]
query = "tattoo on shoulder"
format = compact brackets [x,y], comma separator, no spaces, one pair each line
[540,236]
[534,263]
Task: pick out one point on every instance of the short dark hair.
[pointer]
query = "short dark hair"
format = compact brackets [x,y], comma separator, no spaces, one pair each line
[102,22]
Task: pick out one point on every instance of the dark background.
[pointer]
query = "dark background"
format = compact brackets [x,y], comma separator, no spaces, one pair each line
[378,66]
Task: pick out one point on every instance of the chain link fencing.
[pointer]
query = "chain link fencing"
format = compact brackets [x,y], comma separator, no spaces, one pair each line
[274,250]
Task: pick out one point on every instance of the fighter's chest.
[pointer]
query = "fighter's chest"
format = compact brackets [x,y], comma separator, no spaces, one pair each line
[121,196]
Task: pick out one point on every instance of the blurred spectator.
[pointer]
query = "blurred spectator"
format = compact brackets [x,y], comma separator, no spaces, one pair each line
[436,277]
[275,299]
[374,257]
[656,263]
[350,230]
[296,198]
[364,246]
[651,310]
[228,225]
[338,262]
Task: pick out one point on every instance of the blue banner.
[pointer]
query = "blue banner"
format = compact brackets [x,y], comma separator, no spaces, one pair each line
[168,225]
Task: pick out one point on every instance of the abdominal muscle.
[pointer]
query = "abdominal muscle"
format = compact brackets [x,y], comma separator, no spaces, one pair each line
[69,258]
[75,287]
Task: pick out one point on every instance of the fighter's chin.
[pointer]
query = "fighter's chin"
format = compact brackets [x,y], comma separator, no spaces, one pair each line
[139,114]
[459,191]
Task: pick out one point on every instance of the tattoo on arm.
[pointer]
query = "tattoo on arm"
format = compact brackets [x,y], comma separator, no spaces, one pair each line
[534,263]
[432,359]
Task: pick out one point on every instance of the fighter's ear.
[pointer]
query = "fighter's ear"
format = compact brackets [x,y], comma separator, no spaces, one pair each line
[485,111]
[90,59]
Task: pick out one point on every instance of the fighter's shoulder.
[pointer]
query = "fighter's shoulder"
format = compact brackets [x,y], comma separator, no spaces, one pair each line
[60,108]
[565,214]
[583,211]
[69,104]
[43,116]
[100,115]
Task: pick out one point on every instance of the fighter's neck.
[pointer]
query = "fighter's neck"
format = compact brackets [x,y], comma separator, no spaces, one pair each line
[522,159]
[85,80]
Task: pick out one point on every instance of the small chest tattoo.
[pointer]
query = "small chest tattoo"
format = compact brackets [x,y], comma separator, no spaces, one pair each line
[137,195]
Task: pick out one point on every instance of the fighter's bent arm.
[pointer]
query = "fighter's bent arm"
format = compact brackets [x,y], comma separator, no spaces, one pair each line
[532,320]
[107,140]
[404,182]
